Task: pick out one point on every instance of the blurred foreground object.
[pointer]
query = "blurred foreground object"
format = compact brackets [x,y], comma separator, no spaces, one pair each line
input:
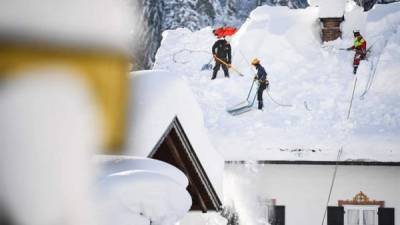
[63,72]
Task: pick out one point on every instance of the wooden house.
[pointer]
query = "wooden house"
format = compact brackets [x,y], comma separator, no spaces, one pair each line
[330,28]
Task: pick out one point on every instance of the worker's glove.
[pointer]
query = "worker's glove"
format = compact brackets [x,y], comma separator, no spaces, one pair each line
[255,78]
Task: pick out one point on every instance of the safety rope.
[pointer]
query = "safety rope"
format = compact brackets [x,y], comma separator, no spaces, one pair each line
[352,97]
[174,55]
[371,76]
[332,183]
[274,101]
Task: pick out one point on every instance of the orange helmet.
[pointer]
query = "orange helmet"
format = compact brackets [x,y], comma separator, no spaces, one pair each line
[255,61]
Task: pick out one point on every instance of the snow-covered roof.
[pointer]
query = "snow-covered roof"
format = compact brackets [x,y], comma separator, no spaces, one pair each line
[157,97]
[331,8]
[116,164]
[103,23]
[316,81]
[140,190]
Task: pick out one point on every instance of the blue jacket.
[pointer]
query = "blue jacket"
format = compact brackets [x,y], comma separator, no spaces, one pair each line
[261,74]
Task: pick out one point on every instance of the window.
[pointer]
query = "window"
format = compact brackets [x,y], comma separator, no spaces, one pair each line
[276,215]
[361,214]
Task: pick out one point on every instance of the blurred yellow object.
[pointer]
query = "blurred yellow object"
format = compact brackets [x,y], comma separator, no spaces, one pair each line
[105,72]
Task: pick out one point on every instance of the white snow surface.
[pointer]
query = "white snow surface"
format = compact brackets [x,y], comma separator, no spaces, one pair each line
[156,98]
[315,79]
[116,164]
[140,191]
[331,8]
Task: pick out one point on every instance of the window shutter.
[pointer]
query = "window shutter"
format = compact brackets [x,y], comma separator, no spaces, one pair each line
[335,215]
[277,217]
[386,216]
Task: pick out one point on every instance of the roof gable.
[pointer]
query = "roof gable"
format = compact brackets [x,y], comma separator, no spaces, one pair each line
[174,148]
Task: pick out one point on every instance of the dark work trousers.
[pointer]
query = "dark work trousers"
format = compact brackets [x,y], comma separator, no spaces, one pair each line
[216,69]
[261,87]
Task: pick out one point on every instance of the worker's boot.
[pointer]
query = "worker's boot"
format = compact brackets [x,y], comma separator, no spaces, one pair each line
[355,69]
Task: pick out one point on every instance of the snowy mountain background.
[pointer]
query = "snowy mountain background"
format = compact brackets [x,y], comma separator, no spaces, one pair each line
[156,16]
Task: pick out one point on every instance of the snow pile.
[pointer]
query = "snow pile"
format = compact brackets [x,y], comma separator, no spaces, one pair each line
[331,8]
[47,137]
[156,98]
[141,191]
[317,81]
[116,164]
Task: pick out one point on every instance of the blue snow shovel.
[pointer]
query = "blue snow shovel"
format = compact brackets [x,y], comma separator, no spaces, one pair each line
[207,66]
[244,106]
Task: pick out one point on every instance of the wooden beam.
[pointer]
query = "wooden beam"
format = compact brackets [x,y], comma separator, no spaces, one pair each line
[178,158]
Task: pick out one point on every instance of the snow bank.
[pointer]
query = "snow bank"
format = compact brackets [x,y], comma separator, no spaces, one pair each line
[331,8]
[116,164]
[156,98]
[316,80]
[140,191]
[354,19]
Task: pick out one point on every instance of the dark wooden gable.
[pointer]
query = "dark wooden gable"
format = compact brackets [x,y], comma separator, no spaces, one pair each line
[174,148]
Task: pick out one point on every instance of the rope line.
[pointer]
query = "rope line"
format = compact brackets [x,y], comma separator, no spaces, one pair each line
[371,77]
[174,55]
[332,183]
[352,97]
[274,101]
[368,84]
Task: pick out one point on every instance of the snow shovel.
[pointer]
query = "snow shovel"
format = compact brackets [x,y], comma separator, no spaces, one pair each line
[229,66]
[207,66]
[244,106]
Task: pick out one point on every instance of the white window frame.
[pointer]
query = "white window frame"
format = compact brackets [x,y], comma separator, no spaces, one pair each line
[360,208]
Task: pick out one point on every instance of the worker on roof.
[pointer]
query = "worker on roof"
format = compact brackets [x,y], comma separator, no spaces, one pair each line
[360,46]
[263,83]
[221,51]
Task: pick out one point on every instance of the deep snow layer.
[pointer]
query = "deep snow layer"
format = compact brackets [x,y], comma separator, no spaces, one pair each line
[315,79]
[140,191]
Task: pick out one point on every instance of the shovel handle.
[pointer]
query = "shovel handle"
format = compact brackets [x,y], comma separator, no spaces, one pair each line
[229,66]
